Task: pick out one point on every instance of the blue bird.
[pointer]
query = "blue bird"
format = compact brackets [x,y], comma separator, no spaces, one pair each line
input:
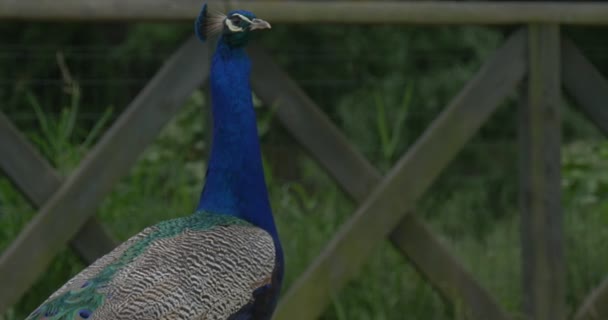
[224,261]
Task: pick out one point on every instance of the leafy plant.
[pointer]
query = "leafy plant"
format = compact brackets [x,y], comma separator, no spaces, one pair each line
[60,139]
[390,129]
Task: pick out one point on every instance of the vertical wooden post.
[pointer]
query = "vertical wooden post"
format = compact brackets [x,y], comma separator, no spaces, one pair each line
[541,228]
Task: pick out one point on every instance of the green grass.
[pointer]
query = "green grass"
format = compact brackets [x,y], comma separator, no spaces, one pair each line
[475,214]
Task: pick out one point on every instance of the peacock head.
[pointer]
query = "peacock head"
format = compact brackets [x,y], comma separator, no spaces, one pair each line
[235,27]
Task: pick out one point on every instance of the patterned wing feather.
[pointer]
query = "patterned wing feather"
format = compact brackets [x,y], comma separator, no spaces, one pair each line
[200,267]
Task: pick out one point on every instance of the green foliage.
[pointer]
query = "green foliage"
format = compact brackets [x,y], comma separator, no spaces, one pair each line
[585,185]
[56,135]
[390,137]
[579,159]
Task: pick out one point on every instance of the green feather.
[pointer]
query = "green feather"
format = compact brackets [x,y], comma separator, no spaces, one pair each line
[88,297]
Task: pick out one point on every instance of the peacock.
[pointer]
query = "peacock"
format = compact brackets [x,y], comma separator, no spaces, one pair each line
[225,260]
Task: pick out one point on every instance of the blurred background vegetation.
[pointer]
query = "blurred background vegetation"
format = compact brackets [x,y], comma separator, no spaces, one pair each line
[64,83]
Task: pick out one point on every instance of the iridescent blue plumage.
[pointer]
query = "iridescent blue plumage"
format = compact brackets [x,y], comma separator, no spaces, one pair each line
[224,261]
[235,178]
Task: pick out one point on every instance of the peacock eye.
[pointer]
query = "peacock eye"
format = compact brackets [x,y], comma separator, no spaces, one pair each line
[236,20]
[84,313]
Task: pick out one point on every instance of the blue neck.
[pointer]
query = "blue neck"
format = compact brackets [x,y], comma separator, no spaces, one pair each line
[235,178]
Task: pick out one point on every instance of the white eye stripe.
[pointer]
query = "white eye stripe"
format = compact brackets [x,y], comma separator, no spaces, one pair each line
[232,27]
[243,17]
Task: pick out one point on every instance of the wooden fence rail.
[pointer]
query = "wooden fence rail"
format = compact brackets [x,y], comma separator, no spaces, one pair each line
[537,54]
[313,12]
[38,181]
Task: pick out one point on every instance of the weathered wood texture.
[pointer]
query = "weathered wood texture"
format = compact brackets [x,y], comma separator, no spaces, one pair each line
[595,306]
[307,123]
[25,166]
[37,179]
[405,183]
[80,195]
[542,247]
[585,84]
[396,12]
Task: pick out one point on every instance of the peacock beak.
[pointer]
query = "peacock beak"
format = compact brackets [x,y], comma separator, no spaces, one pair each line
[259,24]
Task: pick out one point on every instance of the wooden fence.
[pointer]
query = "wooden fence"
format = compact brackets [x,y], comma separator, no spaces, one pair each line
[535,61]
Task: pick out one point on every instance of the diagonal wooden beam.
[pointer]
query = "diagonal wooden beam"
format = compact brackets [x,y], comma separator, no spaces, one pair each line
[585,84]
[312,128]
[595,306]
[310,294]
[358,177]
[37,179]
[22,163]
[80,195]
